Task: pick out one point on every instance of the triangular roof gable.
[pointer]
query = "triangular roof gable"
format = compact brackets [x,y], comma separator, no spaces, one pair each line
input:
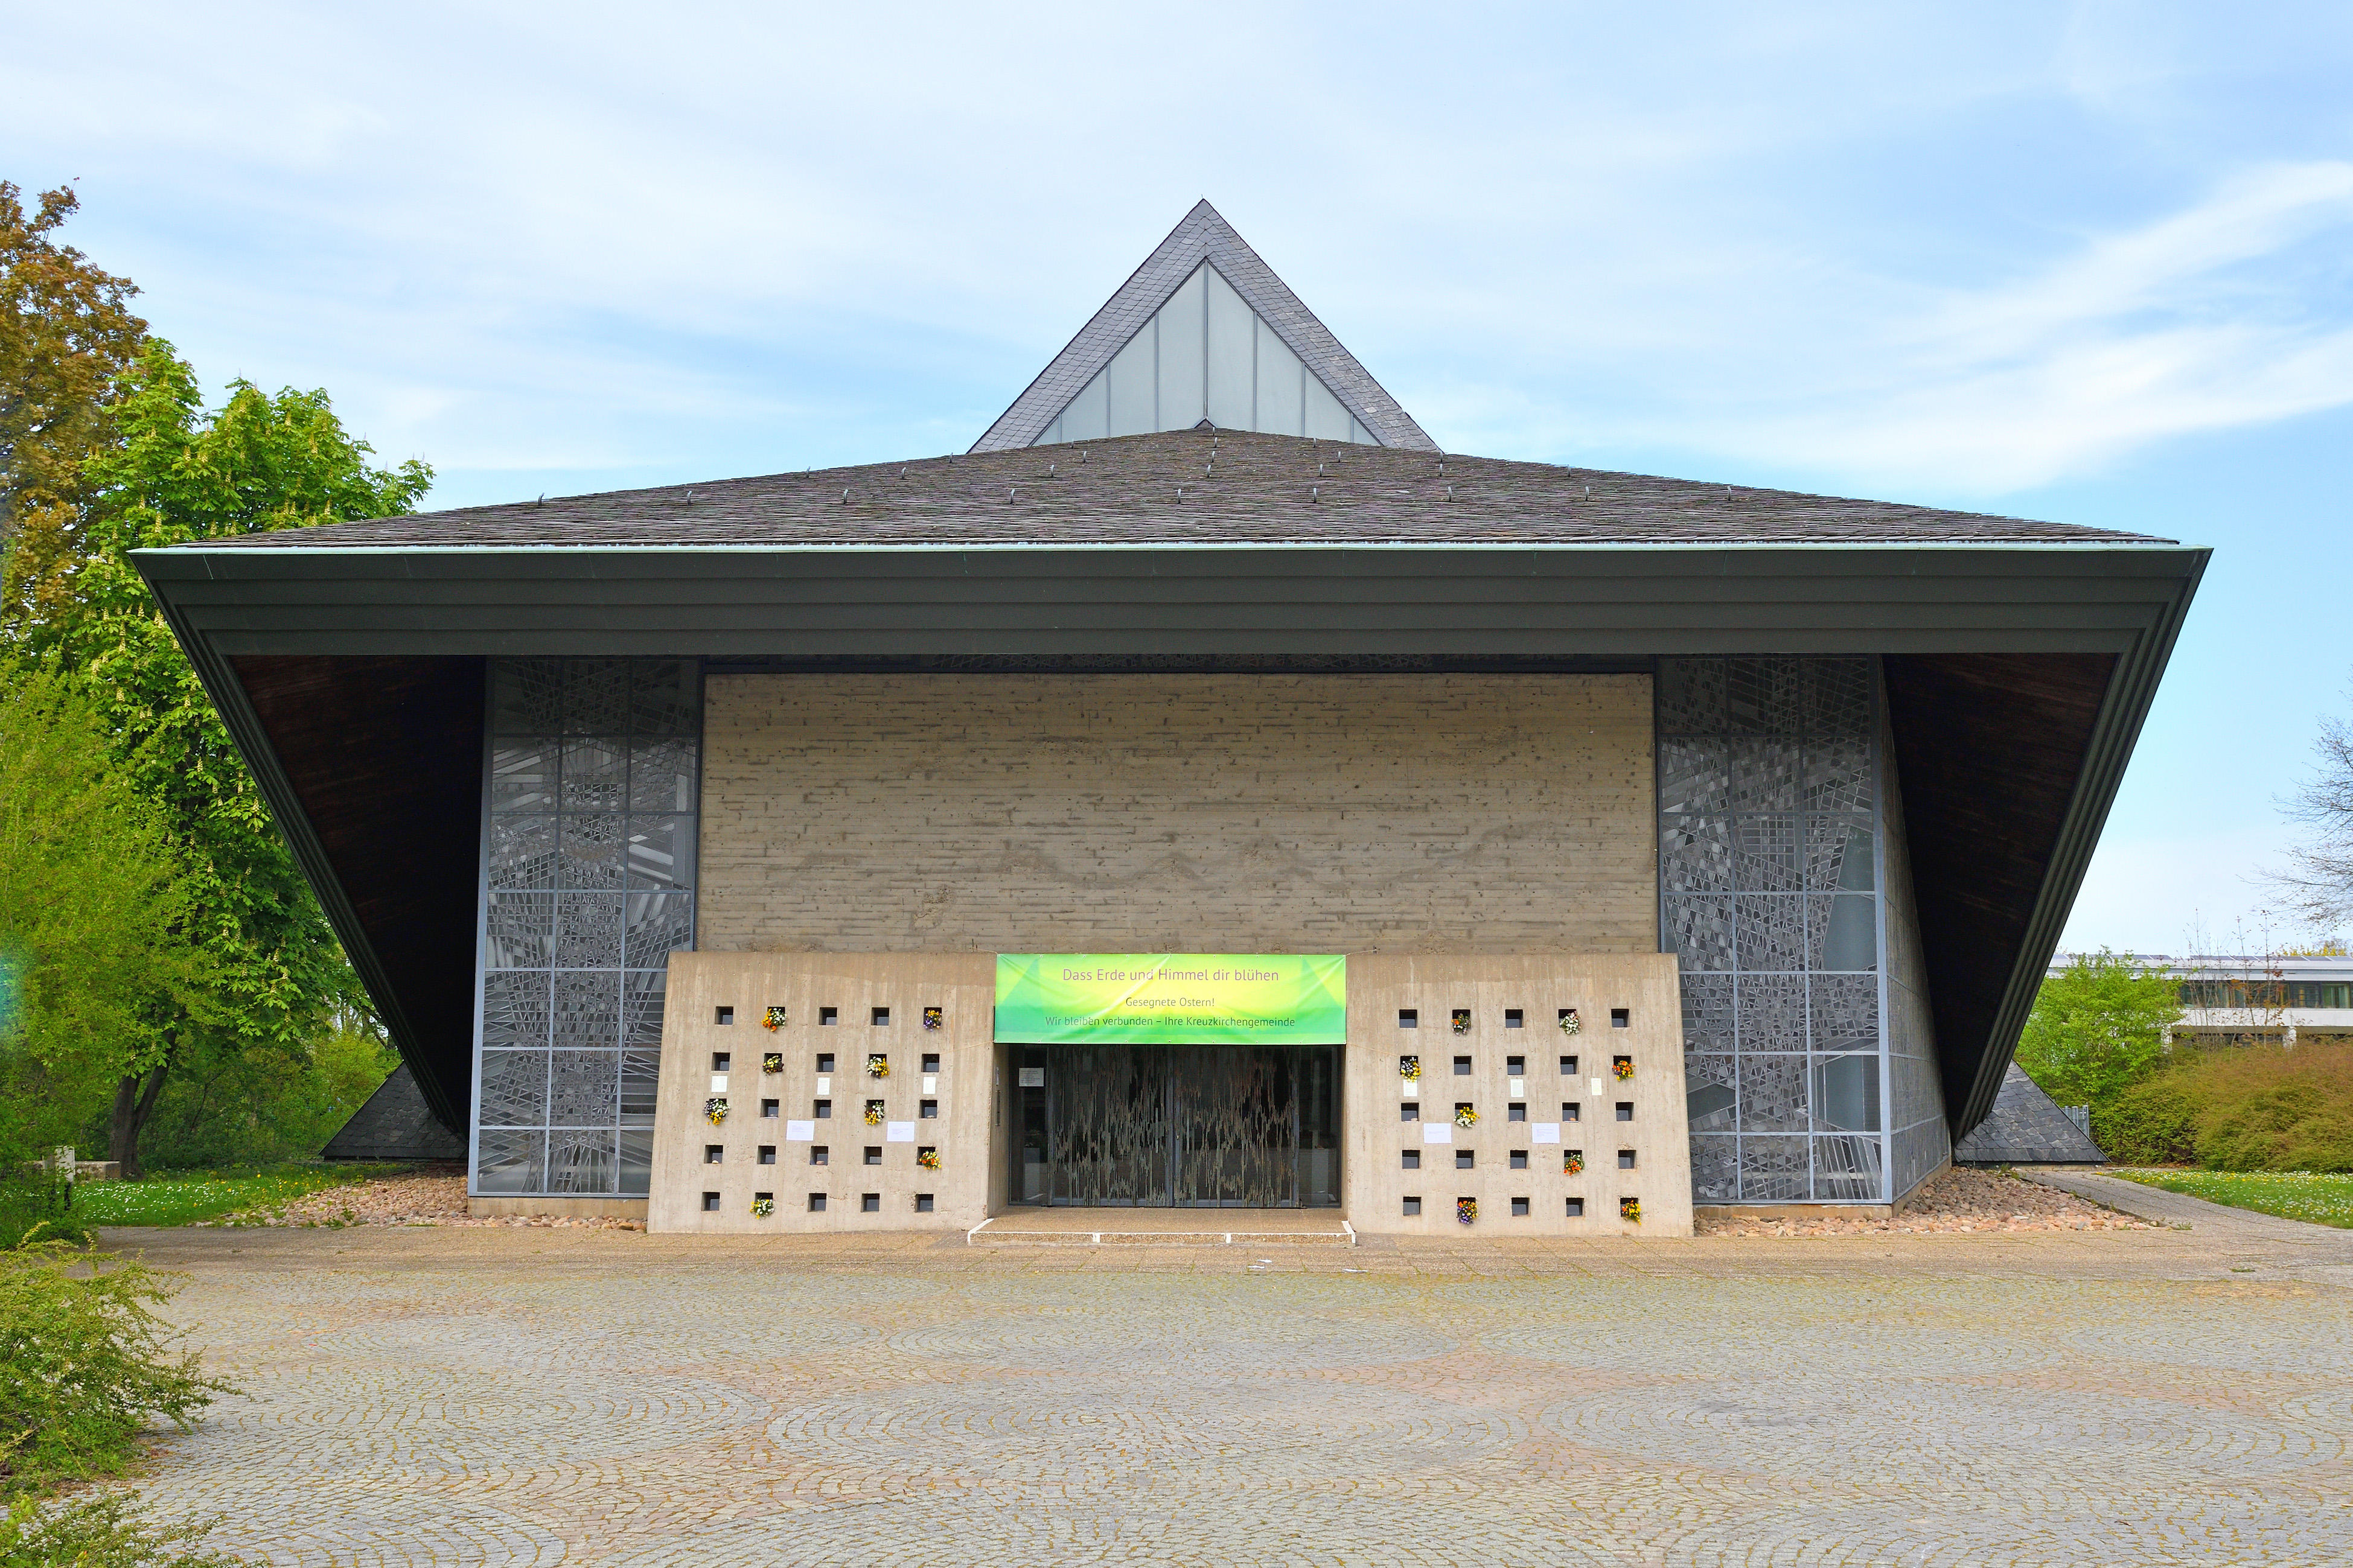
[1203,238]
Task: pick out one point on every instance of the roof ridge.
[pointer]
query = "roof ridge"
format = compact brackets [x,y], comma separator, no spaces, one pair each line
[1203,236]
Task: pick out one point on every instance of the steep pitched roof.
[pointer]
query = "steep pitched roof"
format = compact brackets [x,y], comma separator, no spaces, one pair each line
[1186,486]
[1203,236]
[2026,1127]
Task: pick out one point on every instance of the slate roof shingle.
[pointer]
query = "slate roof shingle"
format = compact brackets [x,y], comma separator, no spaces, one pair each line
[1195,487]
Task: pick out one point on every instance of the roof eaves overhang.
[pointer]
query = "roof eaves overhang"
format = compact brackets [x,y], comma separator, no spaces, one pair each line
[1193,600]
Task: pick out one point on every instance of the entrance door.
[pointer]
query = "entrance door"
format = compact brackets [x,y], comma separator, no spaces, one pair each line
[1184,1126]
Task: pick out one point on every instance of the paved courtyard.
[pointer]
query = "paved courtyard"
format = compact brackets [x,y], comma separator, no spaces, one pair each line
[608,1397]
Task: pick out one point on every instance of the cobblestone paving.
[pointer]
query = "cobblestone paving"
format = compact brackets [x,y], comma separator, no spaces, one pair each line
[507,1397]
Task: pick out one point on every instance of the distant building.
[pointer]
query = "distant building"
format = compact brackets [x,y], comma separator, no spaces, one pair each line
[2241,999]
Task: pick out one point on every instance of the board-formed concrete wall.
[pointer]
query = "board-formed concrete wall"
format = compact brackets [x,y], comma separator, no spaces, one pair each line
[1175,812]
[1402,1148]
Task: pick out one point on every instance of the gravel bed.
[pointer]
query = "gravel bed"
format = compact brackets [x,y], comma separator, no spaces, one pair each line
[1956,1202]
[431,1196]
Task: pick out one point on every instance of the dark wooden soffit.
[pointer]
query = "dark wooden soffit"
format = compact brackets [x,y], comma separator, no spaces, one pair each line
[382,760]
[1990,751]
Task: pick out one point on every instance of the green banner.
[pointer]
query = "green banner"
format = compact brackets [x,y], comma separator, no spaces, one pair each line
[1171,998]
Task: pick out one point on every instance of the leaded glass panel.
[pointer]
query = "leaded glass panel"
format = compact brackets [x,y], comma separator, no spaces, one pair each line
[1769,800]
[588,876]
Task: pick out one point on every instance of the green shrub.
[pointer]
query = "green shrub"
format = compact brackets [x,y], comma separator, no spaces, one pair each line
[2244,1107]
[109,1530]
[84,1365]
[2155,1122]
[34,1208]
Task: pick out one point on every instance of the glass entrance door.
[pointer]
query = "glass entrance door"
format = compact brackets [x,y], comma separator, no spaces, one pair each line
[1182,1126]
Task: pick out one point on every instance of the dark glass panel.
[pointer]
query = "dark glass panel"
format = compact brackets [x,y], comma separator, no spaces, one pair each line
[658,924]
[1835,695]
[661,775]
[641,1006]
[1695,855]
[1699,931]
[523,776]
[1846,1092]
[522,852]
[1761,695]
[1844,932]
[584,1088]
[661,852]
[1837,854]
[1710,1094]
[596,696]
[1772,931]
[589,852]
[636,1162]
[582,1161]
[596,775]
[588,1008]
[663,697]
[588,931]
[1764,774]
[521,930]
[1716,1168]
[1847,1169]
[1773,1094]
[1838,776]
[510,1160]
[1773,1012]
[515,1006]
[526,696]
[1707,1013]
[1695,775]
[514,1089]
[1691,697]
[1766,857]
[1845,1013]
[641,1078]
[1774,1170]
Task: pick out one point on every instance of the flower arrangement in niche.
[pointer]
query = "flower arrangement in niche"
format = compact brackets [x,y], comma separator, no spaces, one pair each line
[1408,1068]
[1463,1020]
[763,1208]
[1464,1116]
[773,1019]
[874,1113]
[929,1159]
[933,1017]
[1569,1022]
[878,1066]
[1631,1210]
[772,1061]
[1466,1210]
[1623,1066]
[715,1107]
[1572,1162]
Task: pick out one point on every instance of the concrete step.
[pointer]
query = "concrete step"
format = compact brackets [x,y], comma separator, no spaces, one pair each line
[1163,1228]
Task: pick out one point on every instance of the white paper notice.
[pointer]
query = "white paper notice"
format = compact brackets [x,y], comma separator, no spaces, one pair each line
[1519,1088]
[1411,1089]
[898,1132]
[1438,1132]
[824,1085]
[1597,1088]
[719,1083]
[931,1083]
[1544,1132]
[800,1131]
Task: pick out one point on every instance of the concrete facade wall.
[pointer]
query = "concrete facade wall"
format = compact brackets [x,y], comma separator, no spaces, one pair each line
[964,1091]
[1171,813]
[1390,1117]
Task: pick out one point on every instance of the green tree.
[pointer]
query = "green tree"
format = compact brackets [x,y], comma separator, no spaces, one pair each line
[268,973]
[89,885]
[2098,1027]
[67,334]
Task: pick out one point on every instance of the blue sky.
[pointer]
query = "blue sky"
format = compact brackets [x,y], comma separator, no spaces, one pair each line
[2087,263]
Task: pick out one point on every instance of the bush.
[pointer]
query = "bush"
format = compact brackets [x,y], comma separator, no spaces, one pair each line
[2244,1107]
[34,1208]
[84,1365]
[109,1530]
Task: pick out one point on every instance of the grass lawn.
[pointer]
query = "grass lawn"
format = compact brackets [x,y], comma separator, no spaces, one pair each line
[2291,1195]
[184,1198]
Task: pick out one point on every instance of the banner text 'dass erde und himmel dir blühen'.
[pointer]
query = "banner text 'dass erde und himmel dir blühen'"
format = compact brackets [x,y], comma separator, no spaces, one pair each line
[1171,998]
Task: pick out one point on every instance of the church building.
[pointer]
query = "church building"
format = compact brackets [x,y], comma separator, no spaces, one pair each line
[1206,792]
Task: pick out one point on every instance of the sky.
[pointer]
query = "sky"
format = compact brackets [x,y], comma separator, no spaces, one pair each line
[2088,263]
